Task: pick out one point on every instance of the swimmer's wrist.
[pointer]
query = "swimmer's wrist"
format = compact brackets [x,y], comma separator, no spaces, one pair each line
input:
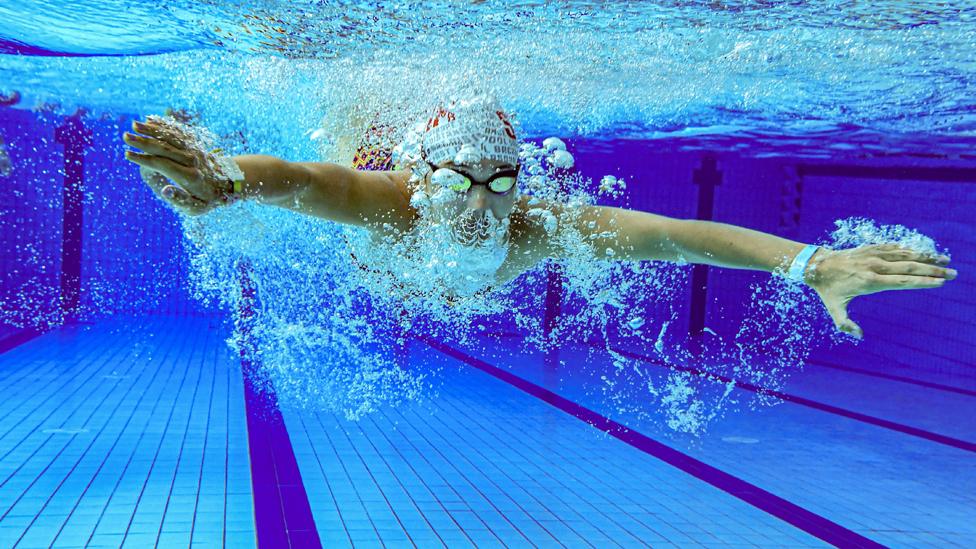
[814,274]
[802,268]
[234,191]
[232,181]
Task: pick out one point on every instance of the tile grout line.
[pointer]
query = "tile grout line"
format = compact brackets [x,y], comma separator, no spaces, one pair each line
[206,437]
[610,508]
[595,508]
[92,479]
[427,486]
[328,484]
[48,439]
[78,459]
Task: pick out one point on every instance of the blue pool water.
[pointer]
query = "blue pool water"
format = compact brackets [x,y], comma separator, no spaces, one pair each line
[229,381]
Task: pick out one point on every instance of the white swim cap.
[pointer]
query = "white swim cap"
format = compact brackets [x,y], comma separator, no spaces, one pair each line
[479,126]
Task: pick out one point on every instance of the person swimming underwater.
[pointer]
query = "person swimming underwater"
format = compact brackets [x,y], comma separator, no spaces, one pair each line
[468,171]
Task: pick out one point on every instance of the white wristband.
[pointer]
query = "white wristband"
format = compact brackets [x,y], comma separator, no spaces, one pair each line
[799,264]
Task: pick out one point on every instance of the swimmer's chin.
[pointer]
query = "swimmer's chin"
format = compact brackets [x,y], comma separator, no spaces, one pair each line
[474,238]
[471,239]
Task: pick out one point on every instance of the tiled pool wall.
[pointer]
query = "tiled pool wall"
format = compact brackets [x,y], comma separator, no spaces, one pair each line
[131,249]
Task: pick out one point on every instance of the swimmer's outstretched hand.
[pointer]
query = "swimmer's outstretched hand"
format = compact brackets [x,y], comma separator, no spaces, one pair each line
[175,169]
[842,275]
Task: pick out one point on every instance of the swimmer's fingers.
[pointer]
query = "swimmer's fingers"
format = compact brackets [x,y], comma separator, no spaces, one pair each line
[151,145]
[177,172]
[838,313]
[894,252]
[161,132]
[914,268]
[905,282]
[173,195]
[155,180]
[845,274]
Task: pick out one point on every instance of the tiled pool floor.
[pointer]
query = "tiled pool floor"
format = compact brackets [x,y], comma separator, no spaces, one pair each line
[127,433]
[485,464]
[135,433]
[889,486]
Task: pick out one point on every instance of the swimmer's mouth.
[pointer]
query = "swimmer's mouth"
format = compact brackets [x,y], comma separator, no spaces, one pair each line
[473,228]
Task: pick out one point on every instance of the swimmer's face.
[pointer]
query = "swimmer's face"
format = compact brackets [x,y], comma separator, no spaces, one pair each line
[465,208]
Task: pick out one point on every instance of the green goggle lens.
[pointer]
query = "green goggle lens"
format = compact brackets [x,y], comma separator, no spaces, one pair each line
[462,185]
[502,184]
[498,185]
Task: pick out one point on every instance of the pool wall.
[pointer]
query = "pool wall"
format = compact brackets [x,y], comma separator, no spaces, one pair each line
[132,262]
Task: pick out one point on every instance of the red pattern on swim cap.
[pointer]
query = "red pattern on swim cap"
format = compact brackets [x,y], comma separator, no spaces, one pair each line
[509,130]
[433,121]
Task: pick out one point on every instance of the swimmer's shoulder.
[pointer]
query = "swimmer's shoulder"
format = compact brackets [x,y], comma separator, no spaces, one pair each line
[527,230]
[529,242]
[386,197]
[401,179]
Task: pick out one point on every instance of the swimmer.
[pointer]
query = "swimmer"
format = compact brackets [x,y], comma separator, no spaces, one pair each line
[469,159]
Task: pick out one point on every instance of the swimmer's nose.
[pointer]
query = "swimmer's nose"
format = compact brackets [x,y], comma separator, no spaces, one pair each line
[478,198]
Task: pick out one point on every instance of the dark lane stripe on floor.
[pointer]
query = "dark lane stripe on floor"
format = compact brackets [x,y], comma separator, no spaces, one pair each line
[282,514]
[19,338]
[850,414]
[892,377]
[805,520]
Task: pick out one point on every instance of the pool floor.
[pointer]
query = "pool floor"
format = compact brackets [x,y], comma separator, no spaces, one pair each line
[135,433]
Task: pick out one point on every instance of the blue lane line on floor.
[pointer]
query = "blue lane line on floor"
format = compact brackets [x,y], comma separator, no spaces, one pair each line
[805,520]
[911,380]
[850,414]
[282,514]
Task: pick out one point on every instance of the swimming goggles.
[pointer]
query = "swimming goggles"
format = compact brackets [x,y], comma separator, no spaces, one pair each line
[499,183]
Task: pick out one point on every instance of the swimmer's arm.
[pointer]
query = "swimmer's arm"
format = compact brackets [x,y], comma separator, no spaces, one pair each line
[837,276]
[325,190]
[632,235]
[643,235]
